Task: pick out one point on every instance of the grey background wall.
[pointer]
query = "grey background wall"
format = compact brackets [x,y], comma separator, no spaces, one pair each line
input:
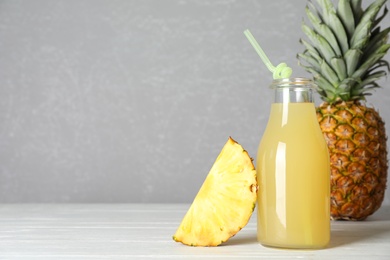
[131,101]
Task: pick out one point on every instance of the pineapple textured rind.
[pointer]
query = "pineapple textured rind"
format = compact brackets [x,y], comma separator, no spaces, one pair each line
[225,201]
[356,139]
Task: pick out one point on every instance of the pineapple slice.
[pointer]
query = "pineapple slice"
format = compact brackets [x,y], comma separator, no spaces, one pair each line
[224,203]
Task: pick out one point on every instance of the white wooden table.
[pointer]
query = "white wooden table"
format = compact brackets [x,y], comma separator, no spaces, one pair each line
[144,231]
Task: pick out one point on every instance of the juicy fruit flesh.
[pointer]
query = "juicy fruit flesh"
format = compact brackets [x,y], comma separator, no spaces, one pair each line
[358,156]
[224,203]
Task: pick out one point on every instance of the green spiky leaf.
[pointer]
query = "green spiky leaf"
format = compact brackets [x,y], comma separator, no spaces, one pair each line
[361,36]
[320,42]
[346,50]
[379,19]
[345,12]
[323,30]
[371,61]
[380,64]
[333,21]
[352,58]
[357,10]
[330,74]
[339,66]
[310,60]
[371,78]
[313,52]
[365,25]
[376,42]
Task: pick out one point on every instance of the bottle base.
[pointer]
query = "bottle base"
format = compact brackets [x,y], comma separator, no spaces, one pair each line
[293,246]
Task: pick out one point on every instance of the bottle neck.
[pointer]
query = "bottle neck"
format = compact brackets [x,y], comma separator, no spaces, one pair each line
[293,94]
[293,90]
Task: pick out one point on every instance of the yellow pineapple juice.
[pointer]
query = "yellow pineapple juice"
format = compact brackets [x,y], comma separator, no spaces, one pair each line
[293,175]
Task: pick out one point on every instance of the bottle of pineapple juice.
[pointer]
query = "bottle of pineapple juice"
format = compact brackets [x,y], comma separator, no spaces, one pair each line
[293,172]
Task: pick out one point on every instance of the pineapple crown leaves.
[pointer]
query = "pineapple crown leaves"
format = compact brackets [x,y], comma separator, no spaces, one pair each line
[345,49]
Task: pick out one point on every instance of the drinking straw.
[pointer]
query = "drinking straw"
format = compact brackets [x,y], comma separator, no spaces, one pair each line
[279,72]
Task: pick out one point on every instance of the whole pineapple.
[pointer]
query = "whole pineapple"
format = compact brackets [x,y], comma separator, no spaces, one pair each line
[345,57]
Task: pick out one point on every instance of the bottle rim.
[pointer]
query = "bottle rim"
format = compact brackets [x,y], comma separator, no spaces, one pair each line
[299,82]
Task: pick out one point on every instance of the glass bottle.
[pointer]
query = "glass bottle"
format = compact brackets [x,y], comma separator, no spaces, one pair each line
[293,171]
